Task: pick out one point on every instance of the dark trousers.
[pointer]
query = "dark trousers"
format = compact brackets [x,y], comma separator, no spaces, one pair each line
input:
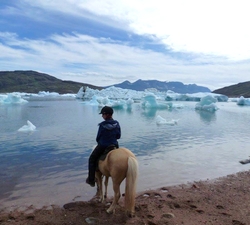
[93,160]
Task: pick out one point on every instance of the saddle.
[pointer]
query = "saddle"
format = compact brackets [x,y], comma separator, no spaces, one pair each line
[106,151]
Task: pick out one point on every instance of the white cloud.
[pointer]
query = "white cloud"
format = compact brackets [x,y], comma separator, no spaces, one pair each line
[103,62]
[207,27]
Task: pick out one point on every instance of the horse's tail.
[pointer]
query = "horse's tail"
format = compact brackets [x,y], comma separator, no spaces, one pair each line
[131,182]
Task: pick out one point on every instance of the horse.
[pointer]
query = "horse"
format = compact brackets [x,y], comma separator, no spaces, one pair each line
[119,164]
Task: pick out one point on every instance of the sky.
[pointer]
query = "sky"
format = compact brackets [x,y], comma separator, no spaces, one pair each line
[106,42]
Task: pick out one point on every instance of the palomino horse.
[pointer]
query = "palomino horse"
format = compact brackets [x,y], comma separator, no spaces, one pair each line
[119,164]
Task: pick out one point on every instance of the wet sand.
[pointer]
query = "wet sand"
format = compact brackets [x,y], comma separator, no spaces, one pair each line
[222,201]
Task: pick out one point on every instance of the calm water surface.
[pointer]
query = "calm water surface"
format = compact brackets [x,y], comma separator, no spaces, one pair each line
[49,165]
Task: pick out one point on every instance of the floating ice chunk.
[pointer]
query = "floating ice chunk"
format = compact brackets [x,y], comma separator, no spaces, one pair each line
[12,98]
[220,97]
[2,98]
[48,94]
[103,101]
[207,103]
[243,101]
[149,101]
[129,103]
[160,120]
[27,128]
[94,101]
[119,104]
[195,97]
[80,94]
[113,93]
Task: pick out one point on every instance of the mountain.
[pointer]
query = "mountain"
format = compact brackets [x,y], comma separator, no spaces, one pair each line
[33,82]
[236,90]
[178,87]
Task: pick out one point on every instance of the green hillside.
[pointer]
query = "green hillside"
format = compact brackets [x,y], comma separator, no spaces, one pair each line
[33,82]
[237,90]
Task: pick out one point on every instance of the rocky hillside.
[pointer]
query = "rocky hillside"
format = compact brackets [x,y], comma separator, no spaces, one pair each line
[237,90]
[33,82]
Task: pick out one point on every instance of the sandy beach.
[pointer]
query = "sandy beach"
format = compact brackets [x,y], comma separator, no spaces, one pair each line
[223,201]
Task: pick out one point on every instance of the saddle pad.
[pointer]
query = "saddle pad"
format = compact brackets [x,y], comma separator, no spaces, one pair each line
[107,150]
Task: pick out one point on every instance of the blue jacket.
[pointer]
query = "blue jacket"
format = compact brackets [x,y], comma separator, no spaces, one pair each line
[108,133]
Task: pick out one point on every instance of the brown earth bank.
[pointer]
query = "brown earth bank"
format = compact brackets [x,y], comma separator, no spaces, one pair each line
[224,201]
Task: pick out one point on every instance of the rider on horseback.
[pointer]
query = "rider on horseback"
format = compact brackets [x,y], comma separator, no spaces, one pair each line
[108,133]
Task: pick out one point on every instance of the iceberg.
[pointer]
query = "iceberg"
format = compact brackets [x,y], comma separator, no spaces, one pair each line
[22,98]
[196,97]
[105,101]
[27,128]
[115,97]
[150,101]
[243,101]
[207,103]
[112,92]
[80,94]
[12,98]
[46,95]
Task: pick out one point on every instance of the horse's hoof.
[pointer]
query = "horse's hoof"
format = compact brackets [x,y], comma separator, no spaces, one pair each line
[130,214]
[108,211]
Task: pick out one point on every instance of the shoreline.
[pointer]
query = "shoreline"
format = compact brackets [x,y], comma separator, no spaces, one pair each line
[223,201]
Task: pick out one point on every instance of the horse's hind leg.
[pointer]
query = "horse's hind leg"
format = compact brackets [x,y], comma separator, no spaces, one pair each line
[106,187]
[117,195]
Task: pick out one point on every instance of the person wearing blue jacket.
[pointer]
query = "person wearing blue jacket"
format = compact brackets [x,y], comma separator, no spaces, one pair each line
[108,133]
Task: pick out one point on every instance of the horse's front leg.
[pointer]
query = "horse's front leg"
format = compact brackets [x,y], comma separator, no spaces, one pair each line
[99,193]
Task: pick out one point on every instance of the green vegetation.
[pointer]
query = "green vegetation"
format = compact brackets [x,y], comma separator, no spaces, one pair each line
[33,82]
[237,90]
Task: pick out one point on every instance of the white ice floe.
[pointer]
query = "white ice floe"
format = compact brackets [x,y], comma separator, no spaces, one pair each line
[27,128]
[160,120]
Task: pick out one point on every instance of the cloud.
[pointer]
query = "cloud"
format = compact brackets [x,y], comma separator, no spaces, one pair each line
[103,61]
[207,27]
[106,42]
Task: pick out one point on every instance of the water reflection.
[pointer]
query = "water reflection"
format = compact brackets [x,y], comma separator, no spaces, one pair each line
[149,112]
[206,116]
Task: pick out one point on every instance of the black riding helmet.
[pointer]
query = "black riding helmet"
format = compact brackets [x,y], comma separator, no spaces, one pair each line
[107,110]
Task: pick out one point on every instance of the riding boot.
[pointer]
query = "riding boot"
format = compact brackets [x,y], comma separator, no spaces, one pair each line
[92,184]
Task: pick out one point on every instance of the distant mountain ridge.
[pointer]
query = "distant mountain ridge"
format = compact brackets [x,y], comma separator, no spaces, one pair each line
[33,82]
[178,87]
